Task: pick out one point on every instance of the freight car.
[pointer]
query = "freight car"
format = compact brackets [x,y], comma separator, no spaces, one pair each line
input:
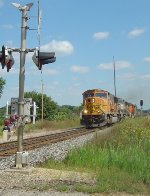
[101,107]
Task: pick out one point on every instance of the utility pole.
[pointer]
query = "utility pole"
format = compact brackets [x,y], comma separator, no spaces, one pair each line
[42,99]
[114,76]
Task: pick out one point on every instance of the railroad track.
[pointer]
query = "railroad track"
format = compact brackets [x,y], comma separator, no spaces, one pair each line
[10,148]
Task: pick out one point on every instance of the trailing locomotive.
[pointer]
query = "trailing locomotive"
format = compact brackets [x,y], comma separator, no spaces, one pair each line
[100,106]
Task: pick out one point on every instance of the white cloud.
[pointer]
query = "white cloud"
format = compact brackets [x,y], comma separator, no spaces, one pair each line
[118,65]
[55,83]
[101,35]
[1,3]
[12,71]
[135,33]
[59,47]
[147,59]
[127,76]
[145,77]
[9,43]
[50,72]
[7,26]
[77,84]
[79,69]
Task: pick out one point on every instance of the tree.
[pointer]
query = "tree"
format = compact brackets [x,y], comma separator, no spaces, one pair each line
[49,106]
[2,83]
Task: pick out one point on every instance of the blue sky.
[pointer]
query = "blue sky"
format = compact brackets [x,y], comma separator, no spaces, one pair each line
[85,35]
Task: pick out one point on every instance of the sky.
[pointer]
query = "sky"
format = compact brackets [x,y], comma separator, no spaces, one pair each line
[88,38]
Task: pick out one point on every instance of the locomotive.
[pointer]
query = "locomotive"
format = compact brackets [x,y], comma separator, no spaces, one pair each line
[102,107]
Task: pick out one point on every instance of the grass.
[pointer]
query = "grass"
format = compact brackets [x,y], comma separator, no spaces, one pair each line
[120,160]
[52,125]
[49,125]
[1,130]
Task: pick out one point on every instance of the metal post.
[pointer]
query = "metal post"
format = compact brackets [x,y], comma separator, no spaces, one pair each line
[7,110]
[34,112]
[114,76]
[21,81]
[141,111]
[42,99]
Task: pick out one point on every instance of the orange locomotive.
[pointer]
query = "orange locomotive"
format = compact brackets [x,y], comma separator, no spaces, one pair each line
[100,106]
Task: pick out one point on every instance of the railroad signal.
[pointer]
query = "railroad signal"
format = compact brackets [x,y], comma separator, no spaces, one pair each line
[141,103]
[6,58]
[42,58]
[2,58]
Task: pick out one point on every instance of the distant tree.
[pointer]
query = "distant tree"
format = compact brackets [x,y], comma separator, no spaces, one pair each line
[2,83]
[49,106]
[69,112]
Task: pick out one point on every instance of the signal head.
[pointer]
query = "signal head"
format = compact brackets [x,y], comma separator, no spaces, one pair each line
[42,58]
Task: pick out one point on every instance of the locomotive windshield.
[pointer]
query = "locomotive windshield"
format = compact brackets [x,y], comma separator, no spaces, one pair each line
[88,95]
[102,95]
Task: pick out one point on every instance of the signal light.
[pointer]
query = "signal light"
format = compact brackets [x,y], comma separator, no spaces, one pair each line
[3,57]
[141,102]
[6,58]
[9,62]
[42,58]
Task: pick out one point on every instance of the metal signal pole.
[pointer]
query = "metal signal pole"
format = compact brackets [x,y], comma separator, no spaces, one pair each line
[42,99]
[21,81]
[114,75]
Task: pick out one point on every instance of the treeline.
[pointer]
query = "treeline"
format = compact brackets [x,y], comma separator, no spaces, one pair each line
[51,110]
[2,114]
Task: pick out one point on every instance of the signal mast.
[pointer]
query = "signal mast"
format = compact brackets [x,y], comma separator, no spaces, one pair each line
[39,58]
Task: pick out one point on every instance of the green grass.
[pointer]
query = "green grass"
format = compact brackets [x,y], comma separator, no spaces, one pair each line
[52,125]
[1,130]
[120,160]
[48,125]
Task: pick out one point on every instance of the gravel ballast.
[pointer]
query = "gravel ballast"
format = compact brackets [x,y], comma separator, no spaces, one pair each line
[56,151]
[22,182]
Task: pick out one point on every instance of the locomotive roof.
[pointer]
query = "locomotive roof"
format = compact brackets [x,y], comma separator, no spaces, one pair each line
[94,90]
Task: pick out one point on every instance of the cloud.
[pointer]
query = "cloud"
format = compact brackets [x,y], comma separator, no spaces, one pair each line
[145,77]
[135,33]
[12,71]
[50,72]
[77,84]
[9,43]
[79,69]
[1,3]
[7,26]
[118,65]
[59,47]
[147,59]
[101,35]
[35,71]
[127,76]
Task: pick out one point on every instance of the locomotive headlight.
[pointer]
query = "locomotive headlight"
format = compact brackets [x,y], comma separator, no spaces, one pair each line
[85,111]
[93,100]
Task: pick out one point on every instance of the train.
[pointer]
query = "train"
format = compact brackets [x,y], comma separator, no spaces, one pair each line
[102,107]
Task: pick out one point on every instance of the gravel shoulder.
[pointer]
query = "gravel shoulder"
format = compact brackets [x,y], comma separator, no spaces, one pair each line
[39,181]
[33,181]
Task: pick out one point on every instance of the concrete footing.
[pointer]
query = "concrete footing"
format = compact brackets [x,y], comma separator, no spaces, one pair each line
[6,135]
[22,159]
[24,170]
